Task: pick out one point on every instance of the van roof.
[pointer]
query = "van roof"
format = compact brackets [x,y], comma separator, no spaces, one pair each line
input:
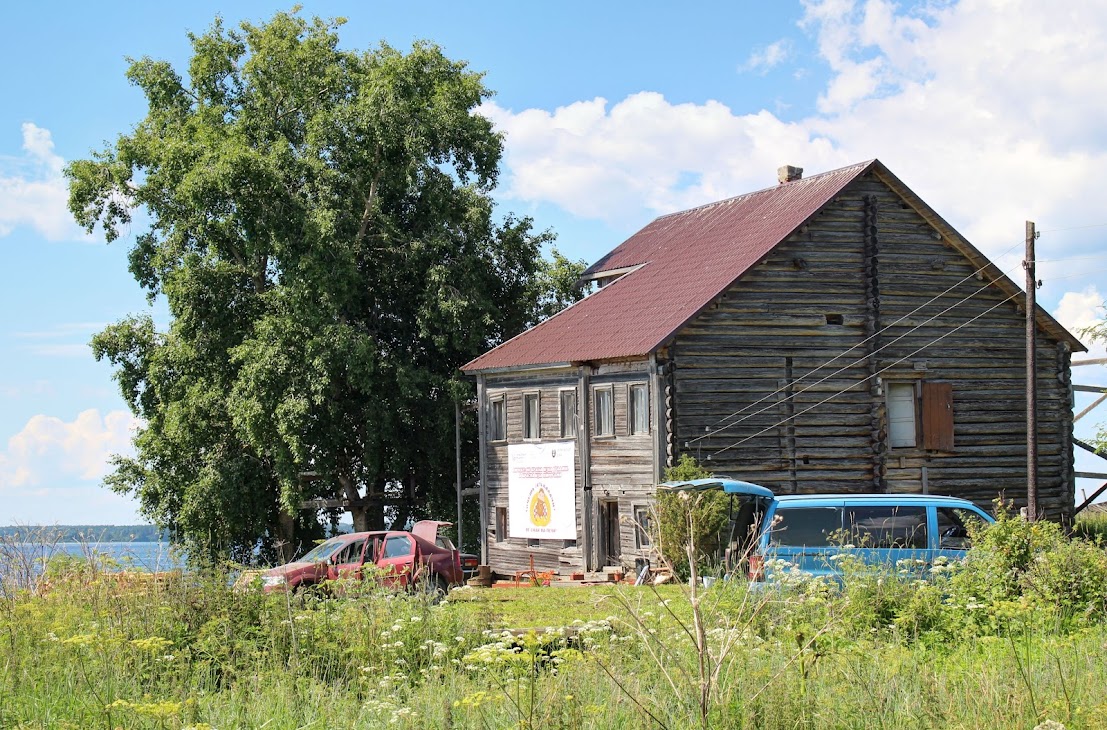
[875,498]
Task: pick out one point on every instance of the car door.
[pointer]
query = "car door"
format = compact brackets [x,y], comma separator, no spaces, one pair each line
[346,564]
[890,535]
[804,535]
[396,559]
[952,530]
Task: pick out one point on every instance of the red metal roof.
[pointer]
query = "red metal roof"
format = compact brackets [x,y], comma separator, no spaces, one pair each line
[685,260]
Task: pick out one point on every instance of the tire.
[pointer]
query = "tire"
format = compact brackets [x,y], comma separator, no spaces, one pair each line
[435,588]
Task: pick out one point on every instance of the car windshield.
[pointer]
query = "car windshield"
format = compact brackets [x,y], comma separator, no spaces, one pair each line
[322,551]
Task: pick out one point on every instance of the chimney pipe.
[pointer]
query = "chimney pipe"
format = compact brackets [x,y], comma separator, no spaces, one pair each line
[788,173]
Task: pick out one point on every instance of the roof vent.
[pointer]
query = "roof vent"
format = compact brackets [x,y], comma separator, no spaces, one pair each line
[788,173]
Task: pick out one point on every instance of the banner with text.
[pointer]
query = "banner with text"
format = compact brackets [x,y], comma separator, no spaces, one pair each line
[542,491]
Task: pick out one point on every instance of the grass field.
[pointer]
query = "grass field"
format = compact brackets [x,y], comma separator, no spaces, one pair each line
[1014,638]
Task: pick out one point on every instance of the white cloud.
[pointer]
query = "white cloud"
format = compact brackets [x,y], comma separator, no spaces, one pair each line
[33,191]
[51,452]
[769,57]
[645,154]
[991,110]
[1080,309]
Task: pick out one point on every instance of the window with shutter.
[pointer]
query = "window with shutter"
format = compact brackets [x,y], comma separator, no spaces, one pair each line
[901,415]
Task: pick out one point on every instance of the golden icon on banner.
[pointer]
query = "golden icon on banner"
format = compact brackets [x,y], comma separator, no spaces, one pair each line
[541,510]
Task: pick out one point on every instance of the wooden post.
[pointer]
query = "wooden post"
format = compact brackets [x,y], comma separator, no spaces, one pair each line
[482,439]
[457,454]
[1031,378]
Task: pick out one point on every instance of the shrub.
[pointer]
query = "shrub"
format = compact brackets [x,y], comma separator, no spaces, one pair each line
[690,520]
[1016,565]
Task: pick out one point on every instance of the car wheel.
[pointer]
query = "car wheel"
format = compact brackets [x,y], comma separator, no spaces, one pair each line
[434,586]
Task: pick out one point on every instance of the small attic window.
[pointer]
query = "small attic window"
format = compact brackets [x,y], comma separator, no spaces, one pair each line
[834,319]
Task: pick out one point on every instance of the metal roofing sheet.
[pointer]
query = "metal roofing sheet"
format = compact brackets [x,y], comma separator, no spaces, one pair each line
[685,260]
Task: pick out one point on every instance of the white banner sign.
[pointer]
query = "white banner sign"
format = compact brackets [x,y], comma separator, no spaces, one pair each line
[541,491]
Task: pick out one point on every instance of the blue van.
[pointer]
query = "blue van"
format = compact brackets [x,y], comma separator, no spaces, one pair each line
[808,530]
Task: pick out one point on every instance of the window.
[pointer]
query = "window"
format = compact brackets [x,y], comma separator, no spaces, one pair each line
[806,526]
[934,429]
[901,415]
[639,409]
[497,419]
[397,546]
[886,527]
[643,526]
[501,524]
[350,554]
[568,414]
[605,411]
[532,423]
[953,528]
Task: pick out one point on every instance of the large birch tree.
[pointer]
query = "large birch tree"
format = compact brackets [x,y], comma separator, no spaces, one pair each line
[320,225]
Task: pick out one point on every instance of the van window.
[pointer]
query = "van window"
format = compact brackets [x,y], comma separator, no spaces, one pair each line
[953,526]
[805,526]
[886,527]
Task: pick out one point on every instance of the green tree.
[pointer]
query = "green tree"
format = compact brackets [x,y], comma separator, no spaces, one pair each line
[322,230]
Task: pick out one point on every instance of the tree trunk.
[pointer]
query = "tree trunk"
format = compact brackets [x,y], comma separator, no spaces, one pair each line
[286,529]
[360,515]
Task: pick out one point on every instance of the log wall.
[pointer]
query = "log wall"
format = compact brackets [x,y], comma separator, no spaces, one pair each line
[852,278]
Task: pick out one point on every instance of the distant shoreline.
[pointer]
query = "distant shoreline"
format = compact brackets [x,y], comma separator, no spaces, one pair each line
[83,533]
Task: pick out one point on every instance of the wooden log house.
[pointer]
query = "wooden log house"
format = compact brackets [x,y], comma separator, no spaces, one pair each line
[829,334]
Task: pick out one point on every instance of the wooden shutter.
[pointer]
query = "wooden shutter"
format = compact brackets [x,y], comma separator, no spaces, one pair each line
[937,412]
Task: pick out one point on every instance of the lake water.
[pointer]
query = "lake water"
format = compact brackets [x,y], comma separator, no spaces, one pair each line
[145,556]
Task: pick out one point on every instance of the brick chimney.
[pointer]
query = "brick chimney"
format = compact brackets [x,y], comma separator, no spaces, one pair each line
[788,173]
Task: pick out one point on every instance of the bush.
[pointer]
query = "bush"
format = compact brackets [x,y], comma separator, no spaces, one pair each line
[690,520]
[1016,565]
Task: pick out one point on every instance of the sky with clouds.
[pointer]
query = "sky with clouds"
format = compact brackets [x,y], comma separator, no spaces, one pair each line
[992,111]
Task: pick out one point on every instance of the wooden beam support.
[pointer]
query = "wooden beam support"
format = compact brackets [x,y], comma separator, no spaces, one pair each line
[1094,361]
[1089,500]
[1090,475]
[1090,388]
[346,503]
[1088,447]
[1090,408]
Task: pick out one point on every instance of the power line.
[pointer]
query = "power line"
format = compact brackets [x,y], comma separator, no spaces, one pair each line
[868,377]
[849,350]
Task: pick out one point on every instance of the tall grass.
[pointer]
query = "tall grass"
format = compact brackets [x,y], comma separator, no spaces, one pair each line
[880,650]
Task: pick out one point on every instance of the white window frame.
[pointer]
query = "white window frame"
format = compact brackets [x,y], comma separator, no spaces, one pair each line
[572,431]
[644,393]
[902,405]
[536,422]
[599,421]
[497,402]
[642,527]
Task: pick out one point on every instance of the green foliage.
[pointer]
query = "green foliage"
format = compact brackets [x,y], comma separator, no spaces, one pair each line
[321,228]
[1030,568]
[1091,525]
[106,651]
[690,520]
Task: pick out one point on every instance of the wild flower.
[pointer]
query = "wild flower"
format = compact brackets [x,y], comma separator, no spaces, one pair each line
[152,644]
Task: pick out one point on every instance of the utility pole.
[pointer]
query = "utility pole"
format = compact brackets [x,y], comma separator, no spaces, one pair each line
[1031,377]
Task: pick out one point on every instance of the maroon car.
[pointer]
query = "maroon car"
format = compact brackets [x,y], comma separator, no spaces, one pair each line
[403,560]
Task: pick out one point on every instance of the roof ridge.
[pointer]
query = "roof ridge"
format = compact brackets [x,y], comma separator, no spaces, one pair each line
[778,186]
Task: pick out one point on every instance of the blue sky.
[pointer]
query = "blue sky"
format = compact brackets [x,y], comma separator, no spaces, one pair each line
[993,111]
